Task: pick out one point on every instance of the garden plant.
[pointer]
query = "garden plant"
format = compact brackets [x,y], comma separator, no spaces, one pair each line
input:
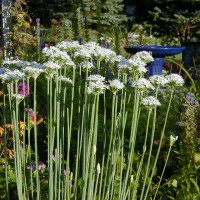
[91,117]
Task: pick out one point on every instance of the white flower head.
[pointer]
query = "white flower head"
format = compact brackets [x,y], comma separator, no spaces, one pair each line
[150,102]
[87,65]
[65,79]
[124,66]
[68,45]
[173,139]
[95,77]
[158,80]
[34,70]
[144,56]
[18,97]
[51,65]
[97,87]
[98,168]
[136,61]
[142,84]
[115,85]
[175,80]
[11,75]
[82,54]
[116,59]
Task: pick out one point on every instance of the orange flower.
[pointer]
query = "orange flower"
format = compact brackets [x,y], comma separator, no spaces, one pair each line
[22,126]
[1,130]
[10,153]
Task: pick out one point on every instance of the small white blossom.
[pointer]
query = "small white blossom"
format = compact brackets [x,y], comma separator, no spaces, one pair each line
[11,75]
[116,59]
[97,87]
[34,71]
[132,178]
[18,97]
[95,77]
[173,139]
[144,56]
[98,168]
[95,149]
[124,66]
[115,85]
[158,80]
[68,45]
[51,65]
[136,62]
[175,80]
[65,79]
[86,64]
[82,54]
[150,101]
[142,84]
[141,70]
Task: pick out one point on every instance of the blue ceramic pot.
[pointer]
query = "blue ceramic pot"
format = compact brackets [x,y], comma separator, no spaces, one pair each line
[158,52]
[156,66]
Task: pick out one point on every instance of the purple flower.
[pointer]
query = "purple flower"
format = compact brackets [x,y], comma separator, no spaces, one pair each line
[23,89]
[37,20]
[41,165]
[53,157]
[30,167]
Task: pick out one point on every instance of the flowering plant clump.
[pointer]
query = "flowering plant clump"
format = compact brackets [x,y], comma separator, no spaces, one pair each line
[93,105]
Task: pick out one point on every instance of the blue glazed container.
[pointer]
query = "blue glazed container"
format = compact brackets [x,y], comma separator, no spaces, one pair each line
[158,52]
[156,66]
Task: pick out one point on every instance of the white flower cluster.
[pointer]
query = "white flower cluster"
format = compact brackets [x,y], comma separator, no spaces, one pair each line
[98,52]
[175,80]
[150,101]
[116,59]
[18,97]
[16,62]
[136,61]
[65,79]
[124,66]
[96,84]
[34,70]
[142,84]
[95,77]
[173,139]
[58,55]
[11,75]
[158,80]
[68,45]
[82,54]
[115,85]
[97,87]
[144,56]
[87,65]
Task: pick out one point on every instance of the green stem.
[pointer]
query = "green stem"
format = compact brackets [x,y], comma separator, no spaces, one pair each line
[158,186]
[159,147]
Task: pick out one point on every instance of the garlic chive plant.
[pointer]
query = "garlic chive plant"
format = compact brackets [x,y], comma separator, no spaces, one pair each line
[91,93]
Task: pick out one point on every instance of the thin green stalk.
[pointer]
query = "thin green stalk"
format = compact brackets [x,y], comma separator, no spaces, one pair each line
[159,147]
[132,142]
[158,185]
[142,158]
[36,141]
[5,143]
[107,169]
[88,151]
[150,149]
[104,146]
